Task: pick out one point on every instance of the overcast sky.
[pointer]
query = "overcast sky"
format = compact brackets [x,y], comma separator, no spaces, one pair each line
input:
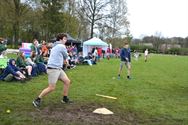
[168,17]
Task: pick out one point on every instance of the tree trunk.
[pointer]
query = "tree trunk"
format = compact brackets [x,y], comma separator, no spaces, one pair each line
[92,25]
[16,34]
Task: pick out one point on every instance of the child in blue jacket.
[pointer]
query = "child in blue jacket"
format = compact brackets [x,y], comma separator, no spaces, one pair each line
[125,55]
[12,69]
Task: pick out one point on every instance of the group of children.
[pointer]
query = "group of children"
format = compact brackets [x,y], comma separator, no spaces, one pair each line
[23,68]
[36,63]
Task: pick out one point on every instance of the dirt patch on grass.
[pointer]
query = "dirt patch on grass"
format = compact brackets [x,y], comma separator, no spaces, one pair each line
[82,115]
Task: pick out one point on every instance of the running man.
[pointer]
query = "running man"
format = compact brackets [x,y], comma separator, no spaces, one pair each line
[54,70]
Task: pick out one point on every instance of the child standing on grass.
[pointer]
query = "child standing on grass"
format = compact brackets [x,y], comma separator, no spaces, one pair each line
[146,55]
[125,56]
[54,70]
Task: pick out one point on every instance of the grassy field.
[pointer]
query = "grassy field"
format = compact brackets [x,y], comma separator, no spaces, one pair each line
[157,94]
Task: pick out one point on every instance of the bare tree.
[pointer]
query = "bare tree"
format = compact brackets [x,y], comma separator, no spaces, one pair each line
[116,23]
[93,11]
[118,17]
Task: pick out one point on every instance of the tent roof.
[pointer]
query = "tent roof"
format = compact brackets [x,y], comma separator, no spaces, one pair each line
[70,39]
[95,42]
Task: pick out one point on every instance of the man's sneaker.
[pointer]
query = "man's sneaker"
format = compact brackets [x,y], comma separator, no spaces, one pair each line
[36,103]
[118,77]
[67,101]
[128,77]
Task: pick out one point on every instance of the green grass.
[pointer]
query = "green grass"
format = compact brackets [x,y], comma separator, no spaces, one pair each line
[157,94]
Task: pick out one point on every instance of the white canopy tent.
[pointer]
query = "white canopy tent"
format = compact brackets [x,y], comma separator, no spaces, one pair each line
[93,42]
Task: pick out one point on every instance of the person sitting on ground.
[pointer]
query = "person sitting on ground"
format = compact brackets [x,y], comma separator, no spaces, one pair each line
[44,49]
[81,59]
[2,47]
[31,61]
[72,63]
[89,59]
[35,47]
[12,69]
[21,63]
[39,61]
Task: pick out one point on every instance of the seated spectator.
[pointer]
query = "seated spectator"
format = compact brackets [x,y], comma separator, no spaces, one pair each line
[49,46]
[2,48]
[39,61]
[89,56]
[21,63]
[35,47]
[13,70]
[75,50]
[90,59]
[31,61]
[80,59]
[44,49]
[71,59]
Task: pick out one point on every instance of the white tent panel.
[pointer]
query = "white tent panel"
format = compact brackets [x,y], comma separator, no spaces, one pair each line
[94,42]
